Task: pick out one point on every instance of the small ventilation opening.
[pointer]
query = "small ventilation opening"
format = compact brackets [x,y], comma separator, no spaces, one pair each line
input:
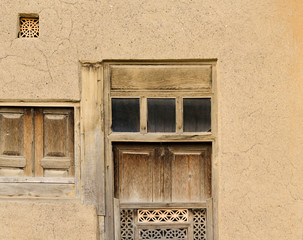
[29,26]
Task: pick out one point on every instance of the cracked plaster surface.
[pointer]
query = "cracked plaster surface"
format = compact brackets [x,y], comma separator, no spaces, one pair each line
[47,220]
[260,115]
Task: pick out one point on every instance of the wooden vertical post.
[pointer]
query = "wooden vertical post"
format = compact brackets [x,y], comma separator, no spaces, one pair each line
[28,141]
[38,142]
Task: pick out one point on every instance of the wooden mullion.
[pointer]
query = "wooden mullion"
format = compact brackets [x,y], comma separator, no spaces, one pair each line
[70,146]
[191,223]
[38,142]
[168,158]
[203,167]
[135,224]
[77,150]
[143,115]
[28,141]
[179,114]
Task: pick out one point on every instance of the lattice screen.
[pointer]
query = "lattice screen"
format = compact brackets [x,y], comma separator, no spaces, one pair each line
[163,224]
[126,227]
[163,215]
[29,27]
[199,221]
[167,233]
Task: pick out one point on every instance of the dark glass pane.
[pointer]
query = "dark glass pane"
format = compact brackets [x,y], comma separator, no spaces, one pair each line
[196,114]
[125,115]
[161,115]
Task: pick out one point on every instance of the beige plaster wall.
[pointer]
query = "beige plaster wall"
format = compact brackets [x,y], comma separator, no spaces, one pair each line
[258,45]
[36,220]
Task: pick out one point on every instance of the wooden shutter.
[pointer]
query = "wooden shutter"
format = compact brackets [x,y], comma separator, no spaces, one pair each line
[134,171]
[16,138]
[36,142]
[190,172]
[54,137]
[162,173]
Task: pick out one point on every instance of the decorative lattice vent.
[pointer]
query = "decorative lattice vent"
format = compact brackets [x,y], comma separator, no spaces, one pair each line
[180,234]
[163,216]
[126,227]
[29,27]
[199,222]
[164,224]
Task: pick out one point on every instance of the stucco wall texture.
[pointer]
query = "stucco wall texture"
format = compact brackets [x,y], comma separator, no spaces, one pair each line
[258,45]
[47,220]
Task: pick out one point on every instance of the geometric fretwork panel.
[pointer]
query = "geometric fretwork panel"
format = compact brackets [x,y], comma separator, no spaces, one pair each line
[164,224]
[163,234]
[199,221]
[126,224]
[29,28]
[163,216]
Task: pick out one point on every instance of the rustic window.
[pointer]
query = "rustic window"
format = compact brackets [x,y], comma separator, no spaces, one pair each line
[36,142]
[158,165]
[29,27]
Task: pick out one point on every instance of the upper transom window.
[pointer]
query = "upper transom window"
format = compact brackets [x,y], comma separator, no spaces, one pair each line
[162,98]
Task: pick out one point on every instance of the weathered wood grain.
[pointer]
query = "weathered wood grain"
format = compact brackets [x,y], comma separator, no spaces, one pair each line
[157,77]
[36,190]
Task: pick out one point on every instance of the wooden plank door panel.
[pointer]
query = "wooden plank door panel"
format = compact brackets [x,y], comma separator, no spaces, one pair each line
[133,182]
[190,172]
[186,178]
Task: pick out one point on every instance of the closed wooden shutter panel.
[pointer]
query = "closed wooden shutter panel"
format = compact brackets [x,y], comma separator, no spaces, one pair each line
[36,142]
[54,143]
[162,173]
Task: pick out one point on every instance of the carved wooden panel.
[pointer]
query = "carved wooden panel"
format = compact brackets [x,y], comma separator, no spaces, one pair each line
[161,77]
[127,224]
[15,141]
[12,133]
[163,215]
[199,222]
[54,145]
[163,234]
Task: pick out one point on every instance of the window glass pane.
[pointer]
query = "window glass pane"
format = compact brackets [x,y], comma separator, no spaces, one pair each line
[161,115]
[125,115]
[196,114]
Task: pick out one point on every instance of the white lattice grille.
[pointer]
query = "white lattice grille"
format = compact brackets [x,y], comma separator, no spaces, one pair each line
[163,234]
[163,216]
[29,28]
[126,227]
[199,219]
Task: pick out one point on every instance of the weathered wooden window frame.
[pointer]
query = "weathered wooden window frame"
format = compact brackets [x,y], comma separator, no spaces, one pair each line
[45,187]
[98,172]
